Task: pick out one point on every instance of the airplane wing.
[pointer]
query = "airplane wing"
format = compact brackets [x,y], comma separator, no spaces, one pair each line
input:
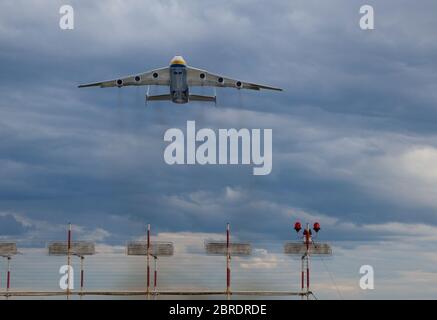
[198,77]
[154,77]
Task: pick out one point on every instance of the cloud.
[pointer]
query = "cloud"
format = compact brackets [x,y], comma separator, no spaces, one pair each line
[262,260]
[10,226]
[233,194]
[30,232]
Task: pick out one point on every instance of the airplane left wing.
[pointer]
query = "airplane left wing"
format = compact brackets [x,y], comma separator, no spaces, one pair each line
[198,77]
[154,77]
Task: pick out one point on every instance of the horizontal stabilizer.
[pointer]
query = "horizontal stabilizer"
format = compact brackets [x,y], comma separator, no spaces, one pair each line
[161,97]
[195,97]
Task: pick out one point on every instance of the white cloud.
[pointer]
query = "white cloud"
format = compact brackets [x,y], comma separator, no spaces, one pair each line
[233,194]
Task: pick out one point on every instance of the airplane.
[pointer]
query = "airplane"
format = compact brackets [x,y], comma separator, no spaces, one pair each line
[179,77]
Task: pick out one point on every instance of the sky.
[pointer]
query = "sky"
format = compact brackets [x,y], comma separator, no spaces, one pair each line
[354,136]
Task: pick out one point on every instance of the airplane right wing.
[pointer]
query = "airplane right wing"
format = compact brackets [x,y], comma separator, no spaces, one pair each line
[198,77]
[159,77]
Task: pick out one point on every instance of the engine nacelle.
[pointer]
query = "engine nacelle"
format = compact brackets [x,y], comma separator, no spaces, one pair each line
[239,84]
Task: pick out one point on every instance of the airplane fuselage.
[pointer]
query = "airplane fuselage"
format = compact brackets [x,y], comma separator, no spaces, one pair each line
[179,90]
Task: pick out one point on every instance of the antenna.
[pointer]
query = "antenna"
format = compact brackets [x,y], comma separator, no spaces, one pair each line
[71,248]
[306,248]
[154,249]
[228,248]
[7,250]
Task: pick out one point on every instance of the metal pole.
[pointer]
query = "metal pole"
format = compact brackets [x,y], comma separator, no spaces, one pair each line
[303,274]
[307,258]
[307,238]
[68,260]
[8,280]
[148,259]
[308,274]
[81,276]
[228,258]
[155,275]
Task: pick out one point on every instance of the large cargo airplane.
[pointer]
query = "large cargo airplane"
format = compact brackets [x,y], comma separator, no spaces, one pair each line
[179,77]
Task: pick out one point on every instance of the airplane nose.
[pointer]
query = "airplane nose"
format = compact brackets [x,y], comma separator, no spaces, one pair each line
[178,60]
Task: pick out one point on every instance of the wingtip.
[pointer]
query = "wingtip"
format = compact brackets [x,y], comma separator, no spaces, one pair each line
[271,88]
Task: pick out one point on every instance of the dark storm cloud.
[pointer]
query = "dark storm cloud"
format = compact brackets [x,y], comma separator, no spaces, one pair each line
[357,106]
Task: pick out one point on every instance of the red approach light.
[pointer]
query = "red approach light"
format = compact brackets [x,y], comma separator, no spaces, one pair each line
[297,226]
[316,227]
